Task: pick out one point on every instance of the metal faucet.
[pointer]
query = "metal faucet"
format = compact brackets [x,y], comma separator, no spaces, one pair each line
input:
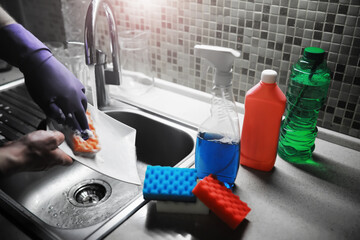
[96,57]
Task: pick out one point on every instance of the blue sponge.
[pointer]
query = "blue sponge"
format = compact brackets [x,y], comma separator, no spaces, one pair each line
[168,183]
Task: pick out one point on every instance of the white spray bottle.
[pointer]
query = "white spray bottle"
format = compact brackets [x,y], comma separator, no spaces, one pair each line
[218,140]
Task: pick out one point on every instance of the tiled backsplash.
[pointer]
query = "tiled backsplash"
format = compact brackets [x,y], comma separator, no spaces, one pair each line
[271,34]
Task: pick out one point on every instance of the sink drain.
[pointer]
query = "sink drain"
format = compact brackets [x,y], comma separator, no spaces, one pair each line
[89,193]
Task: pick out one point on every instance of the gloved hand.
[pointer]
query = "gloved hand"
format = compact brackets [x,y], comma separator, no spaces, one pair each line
[52,86]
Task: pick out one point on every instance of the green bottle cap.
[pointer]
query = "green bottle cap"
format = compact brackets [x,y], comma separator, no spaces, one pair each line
[314,53]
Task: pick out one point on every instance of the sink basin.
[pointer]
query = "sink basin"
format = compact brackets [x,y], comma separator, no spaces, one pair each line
[75,202]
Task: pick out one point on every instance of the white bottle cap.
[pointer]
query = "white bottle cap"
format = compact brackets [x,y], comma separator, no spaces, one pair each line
[268,76]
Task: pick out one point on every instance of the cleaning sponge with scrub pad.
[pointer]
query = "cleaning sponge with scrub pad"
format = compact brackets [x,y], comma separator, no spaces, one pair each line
[169,184]
[226,205]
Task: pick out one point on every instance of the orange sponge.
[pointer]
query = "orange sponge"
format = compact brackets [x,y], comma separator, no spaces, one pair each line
[226,205]
[89,146]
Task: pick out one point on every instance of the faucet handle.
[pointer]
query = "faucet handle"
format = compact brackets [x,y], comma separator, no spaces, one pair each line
[112,77]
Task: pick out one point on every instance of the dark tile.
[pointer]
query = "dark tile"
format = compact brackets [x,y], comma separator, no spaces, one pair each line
[330,18]
[291,22]
[251,73]
[286,57]
[357,81]
[355,125]
[351,106]
[356,41]
[343,9]
[355,51]
[357,117]
[261,59]
[249,23]
[341,104]
[337,120]
[283,11]
[340,68]
[263,35]
[297,41]
[266,8]
[244,71]
[246,56]
[330,109]
[271,45]
[257,24]
[338,29]
[317,35]
[319,26]
[349,114]
[279,46]
[338,77]
[265,18]
[289,39]
[268,61]
[328,27]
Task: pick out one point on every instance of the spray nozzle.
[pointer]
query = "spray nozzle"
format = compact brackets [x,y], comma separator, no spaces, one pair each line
[221,59]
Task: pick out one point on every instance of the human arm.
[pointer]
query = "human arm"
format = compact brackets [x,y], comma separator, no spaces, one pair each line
[52,86]
[33,152]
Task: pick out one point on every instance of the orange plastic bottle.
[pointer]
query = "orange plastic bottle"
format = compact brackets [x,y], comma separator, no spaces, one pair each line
[264,107]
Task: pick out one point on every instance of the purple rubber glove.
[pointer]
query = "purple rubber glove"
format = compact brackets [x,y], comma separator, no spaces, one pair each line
[52,86]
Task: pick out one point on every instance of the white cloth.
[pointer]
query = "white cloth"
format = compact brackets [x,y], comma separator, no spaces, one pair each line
[117,157]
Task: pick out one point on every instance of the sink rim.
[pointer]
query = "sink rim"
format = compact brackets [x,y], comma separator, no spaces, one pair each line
[44,230]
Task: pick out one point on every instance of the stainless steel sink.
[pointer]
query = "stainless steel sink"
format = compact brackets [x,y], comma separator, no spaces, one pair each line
[76,202]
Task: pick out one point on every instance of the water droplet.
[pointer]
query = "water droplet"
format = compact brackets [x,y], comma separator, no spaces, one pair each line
[55,215]
[62,212]
[51,207]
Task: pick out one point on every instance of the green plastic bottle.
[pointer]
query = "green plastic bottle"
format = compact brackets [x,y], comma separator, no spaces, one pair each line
[306,93]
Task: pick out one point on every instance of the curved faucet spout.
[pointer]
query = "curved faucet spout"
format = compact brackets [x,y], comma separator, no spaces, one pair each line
[94,56]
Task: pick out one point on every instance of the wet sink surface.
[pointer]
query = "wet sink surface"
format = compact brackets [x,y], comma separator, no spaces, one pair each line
[75,201]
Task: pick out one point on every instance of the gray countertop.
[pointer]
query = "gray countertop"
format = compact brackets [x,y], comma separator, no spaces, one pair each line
[314,200]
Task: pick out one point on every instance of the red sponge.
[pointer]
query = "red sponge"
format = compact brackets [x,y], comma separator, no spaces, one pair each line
[226,205]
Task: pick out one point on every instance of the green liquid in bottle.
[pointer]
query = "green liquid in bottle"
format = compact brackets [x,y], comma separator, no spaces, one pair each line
[306,93]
